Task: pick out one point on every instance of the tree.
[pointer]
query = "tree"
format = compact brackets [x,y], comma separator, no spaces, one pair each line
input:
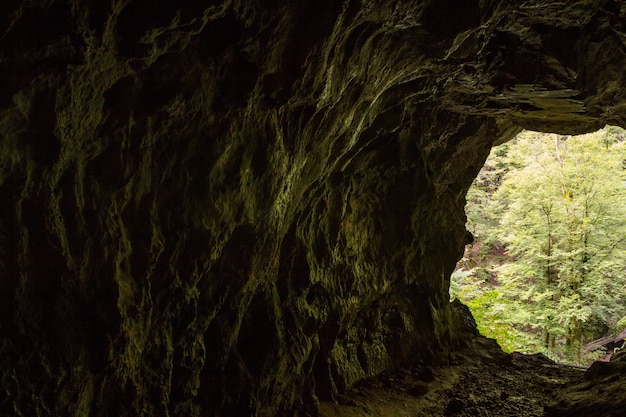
[557,205]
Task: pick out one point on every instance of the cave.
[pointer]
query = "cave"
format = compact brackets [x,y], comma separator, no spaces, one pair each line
[244,208]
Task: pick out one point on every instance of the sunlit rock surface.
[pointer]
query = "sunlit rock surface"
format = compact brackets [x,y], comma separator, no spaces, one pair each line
[240,208]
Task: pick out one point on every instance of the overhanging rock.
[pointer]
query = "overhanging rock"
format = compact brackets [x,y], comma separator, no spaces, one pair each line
[238,208]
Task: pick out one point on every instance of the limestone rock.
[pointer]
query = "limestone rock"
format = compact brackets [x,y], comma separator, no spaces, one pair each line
[236,208]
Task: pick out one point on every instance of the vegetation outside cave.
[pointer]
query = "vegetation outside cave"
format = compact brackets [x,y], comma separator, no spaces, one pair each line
[547,269]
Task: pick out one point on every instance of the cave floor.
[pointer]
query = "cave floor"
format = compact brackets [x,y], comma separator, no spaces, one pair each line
[481,381]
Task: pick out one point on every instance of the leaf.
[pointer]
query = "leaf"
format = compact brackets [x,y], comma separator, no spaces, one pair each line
[549,217]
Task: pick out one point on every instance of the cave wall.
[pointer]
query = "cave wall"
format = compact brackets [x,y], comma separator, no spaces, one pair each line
[237,208]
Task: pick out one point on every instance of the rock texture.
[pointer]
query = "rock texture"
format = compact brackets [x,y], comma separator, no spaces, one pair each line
[480,381]
[600,393]
[237,208]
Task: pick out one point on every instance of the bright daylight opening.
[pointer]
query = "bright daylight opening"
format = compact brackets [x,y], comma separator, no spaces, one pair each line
[546,272]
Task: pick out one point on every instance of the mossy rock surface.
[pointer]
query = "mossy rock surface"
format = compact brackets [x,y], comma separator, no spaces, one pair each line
[240,208]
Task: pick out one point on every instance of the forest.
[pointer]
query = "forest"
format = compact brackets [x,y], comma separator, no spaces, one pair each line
[547,269]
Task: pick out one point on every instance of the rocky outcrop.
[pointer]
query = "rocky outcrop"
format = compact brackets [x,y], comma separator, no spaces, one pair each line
[238,208]
[599,393]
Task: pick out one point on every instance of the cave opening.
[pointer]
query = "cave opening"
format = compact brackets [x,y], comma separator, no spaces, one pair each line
[545,272]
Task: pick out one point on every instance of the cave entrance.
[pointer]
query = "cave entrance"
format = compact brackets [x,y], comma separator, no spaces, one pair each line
[546,272]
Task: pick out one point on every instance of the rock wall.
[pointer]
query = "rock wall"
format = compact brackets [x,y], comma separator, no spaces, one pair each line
[236,208]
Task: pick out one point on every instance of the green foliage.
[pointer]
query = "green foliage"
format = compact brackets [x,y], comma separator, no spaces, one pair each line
[548,213]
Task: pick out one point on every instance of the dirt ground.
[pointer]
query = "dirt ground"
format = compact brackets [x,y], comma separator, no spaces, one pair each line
[482,381]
